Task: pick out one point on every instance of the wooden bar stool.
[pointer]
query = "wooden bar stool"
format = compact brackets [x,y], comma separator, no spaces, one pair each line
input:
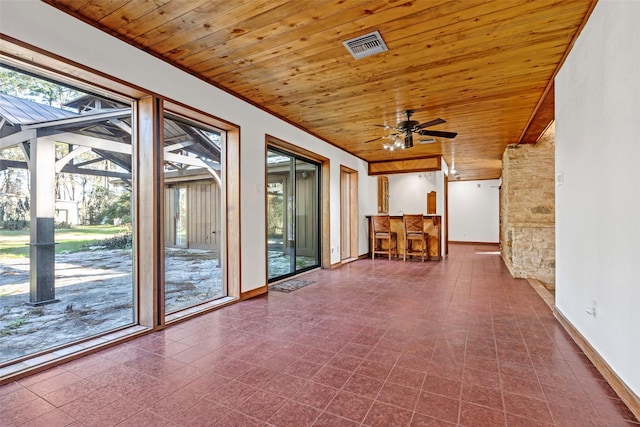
[414,231]
[381,232]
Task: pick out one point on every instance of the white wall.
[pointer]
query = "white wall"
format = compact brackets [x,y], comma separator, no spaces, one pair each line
[408,192]
[473,205]
[45,27]
[474,211]
[598,203]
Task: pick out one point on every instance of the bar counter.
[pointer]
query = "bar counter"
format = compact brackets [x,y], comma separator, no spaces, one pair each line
[431,226]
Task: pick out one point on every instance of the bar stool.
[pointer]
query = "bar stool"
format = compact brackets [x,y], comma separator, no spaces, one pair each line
[414,231]
[380,232]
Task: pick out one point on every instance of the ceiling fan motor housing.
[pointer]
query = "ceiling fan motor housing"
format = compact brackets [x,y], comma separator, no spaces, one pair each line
[408,125]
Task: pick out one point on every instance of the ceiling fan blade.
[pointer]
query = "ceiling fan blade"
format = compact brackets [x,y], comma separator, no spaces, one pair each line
[430,123]
[439,133]
[387,127]
[380,137]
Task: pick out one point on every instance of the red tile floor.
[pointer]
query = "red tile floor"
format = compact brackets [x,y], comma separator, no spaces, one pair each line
[375,343]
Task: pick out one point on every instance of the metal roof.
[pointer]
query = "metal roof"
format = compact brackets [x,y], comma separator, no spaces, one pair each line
[19,111]
[188,141]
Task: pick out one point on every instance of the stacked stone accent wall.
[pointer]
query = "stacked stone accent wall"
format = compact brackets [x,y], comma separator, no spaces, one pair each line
[527,209]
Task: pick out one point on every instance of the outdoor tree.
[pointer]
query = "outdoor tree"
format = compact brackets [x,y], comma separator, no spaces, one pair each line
[35,89]
[14,192]
[95,195]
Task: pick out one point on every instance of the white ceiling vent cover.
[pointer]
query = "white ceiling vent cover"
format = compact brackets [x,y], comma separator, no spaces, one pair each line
[366,45]
[429,140]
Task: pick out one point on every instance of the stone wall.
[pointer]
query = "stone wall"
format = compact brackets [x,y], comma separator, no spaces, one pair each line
[527,209]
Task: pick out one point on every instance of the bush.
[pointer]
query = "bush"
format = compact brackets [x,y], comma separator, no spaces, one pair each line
[15,224]
[14,212]
[119,241]
[118,209]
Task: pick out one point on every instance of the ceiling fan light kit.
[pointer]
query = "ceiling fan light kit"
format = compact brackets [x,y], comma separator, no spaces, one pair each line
[398,144]
[408,140]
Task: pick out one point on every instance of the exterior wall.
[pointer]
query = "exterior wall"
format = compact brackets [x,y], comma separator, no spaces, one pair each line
[527,209]
[67,211]
[203,210]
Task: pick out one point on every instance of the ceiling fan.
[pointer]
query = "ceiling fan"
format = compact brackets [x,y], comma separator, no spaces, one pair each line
[403,138]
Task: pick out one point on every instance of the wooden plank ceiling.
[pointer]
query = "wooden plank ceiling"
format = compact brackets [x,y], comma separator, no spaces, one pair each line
[484,66]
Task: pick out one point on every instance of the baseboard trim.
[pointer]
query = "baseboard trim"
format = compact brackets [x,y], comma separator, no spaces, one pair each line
[254,292]
[340,263]
[543,292]
[622,390]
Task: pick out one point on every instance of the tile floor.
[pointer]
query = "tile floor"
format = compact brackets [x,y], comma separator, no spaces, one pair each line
[375,343]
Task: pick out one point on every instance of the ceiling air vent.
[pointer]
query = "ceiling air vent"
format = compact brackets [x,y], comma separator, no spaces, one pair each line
[429,140]
[366,45]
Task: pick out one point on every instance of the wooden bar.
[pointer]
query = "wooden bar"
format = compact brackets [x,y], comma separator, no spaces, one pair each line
[431,227]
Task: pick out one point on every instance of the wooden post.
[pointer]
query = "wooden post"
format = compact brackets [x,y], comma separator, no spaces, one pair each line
[42,212]
[150,197]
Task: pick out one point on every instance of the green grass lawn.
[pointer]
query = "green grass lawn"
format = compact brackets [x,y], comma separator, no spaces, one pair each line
[14,242]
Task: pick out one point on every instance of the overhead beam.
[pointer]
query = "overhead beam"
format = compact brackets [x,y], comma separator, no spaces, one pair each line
[178,146]
[122,125]
[90,141]
[425,164]
[17,138]
[81,119]
[95,172]
[13,164]
[191,161]
[543,116]
[18,164]
[70,156]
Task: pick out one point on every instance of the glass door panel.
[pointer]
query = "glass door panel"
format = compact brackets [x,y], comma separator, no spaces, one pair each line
[292,214]
[306,215]
[193,208]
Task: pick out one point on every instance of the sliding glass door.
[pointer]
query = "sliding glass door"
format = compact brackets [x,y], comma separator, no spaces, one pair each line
[293,214]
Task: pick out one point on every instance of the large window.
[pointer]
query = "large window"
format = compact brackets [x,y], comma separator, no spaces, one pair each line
[293,214]
[116,207]
[65,214]
[193,200]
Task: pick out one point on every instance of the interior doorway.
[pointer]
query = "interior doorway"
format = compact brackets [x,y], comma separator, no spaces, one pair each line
[348,214]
